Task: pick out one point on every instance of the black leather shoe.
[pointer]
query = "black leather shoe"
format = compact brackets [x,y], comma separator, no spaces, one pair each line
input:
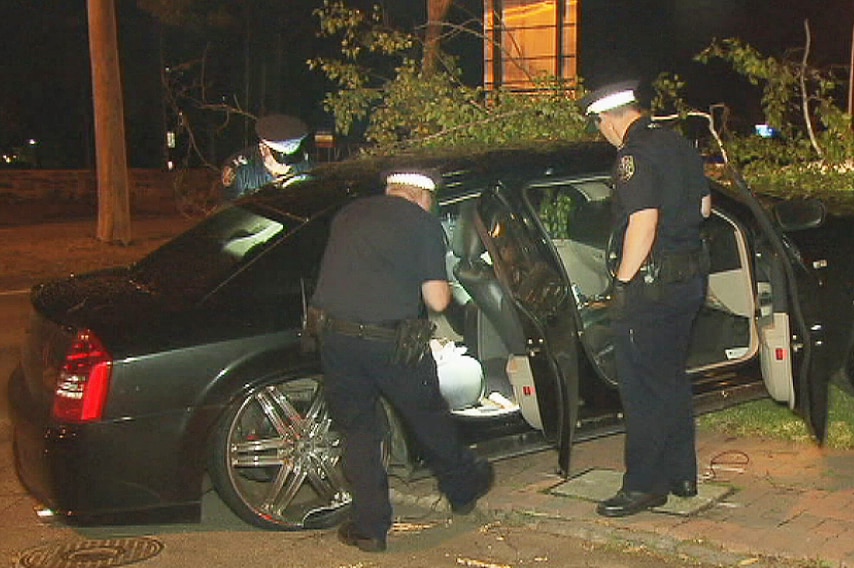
[626,503]
[348,534]
[686,488]
[485,471]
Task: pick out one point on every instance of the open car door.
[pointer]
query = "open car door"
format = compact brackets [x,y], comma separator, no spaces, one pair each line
[753,310]
[545,378]
[794,367]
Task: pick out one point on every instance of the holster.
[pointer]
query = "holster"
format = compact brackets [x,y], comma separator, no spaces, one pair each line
[412,341]
[661,269]
[312,328]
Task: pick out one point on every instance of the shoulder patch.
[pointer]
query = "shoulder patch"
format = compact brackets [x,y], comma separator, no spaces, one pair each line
[626,168]
[228,175]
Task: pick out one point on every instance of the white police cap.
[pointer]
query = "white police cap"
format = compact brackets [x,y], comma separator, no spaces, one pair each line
[609,97]
[429,180]
[281,132]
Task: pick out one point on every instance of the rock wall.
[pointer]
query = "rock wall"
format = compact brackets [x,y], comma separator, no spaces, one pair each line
[34,196]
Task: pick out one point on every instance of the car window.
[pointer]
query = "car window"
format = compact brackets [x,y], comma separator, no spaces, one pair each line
[197,261]
[522,261]
[279,282]
[577,210]
[577,217]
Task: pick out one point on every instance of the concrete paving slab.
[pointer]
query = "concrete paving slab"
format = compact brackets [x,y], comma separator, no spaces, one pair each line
[600,484]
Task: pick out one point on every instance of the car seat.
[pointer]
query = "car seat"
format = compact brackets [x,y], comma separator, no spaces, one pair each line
[492,329]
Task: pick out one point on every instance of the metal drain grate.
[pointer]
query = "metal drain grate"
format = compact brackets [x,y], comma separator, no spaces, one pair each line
[91,553]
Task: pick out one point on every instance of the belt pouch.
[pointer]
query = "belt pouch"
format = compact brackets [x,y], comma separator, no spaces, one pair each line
[412,341]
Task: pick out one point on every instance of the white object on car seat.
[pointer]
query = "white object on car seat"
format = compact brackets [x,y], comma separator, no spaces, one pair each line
[460,376]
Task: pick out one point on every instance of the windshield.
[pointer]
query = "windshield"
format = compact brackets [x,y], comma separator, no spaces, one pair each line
[198,260]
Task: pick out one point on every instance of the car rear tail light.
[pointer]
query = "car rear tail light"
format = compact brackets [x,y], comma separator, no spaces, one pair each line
[84,380]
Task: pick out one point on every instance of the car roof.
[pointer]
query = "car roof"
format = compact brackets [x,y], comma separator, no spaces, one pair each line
[462,170]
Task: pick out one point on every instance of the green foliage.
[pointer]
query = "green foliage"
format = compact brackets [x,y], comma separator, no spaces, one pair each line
[778,79]
[382,95]
[382,89]
[814,153]
[555,213]
[668,98]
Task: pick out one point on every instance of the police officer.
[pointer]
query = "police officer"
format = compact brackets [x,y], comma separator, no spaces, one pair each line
[278,156]
[385,258]
[661,197]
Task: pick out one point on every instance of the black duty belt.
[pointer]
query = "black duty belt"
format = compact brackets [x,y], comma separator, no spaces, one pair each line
[681,266]
[358,329]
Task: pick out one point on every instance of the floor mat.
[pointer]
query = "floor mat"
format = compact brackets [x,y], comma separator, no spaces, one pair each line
[600,484]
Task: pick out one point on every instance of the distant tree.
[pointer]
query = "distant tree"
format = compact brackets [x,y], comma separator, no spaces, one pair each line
[437,12]
[113,190]
[814,150]
[381,86]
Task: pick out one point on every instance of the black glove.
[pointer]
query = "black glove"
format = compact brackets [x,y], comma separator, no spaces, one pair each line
[619,300]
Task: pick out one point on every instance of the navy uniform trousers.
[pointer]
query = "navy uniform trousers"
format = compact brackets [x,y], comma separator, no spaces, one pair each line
[357,371]
[651,348]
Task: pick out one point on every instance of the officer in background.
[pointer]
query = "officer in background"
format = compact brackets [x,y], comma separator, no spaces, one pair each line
[661,197]
[384,261]
[278,156]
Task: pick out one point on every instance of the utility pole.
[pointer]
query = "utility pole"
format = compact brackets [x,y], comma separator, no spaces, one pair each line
[110,150]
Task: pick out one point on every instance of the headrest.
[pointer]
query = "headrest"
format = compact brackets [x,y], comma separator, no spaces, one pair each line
[465,242]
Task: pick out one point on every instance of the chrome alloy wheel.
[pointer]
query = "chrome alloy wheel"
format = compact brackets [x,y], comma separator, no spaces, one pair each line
[276,460]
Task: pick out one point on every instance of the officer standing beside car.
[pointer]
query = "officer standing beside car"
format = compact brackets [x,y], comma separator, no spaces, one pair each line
[661,197]
[384,262]
[278,156]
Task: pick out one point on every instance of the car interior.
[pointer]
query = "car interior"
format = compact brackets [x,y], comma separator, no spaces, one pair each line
[479,337]
[481,324]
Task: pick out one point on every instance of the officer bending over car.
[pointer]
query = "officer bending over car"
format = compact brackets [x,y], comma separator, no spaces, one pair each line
[278,157]
[661,197]
[384,262]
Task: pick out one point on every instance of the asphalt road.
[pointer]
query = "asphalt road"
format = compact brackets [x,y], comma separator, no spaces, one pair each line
[13,314]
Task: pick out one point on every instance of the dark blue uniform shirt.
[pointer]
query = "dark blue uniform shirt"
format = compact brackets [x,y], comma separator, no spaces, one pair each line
[657,168]
[380,251]
[244,172]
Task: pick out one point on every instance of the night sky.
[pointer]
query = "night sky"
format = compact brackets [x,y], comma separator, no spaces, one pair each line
[45,87]
[642,38]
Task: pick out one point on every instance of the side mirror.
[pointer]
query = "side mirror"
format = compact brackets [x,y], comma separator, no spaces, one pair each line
[800,214]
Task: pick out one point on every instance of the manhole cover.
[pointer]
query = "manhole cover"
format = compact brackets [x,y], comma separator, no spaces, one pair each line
[91,553]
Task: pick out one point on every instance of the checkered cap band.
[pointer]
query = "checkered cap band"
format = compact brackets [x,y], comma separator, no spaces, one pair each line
[413,179]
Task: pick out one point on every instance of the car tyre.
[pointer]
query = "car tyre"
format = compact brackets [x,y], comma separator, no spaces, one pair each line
[275,458]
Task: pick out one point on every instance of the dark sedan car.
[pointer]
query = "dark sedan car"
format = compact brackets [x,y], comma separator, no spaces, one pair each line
[138,382]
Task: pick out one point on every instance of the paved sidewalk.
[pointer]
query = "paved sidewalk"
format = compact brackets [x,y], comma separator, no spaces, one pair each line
[786,504]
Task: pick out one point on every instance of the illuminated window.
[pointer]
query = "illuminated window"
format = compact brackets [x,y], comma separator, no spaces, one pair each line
[529,38]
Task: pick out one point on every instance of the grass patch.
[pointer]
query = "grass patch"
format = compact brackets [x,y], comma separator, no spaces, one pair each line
[768,419]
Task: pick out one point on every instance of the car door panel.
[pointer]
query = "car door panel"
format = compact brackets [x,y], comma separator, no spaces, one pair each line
[526,267]
[793,360]
[738,323]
